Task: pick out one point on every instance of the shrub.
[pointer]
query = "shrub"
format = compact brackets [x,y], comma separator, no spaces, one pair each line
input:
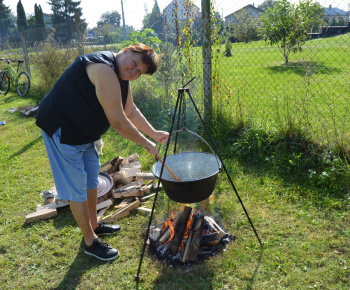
[51,63]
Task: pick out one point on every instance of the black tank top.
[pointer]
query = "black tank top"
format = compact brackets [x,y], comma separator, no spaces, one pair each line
[72,103]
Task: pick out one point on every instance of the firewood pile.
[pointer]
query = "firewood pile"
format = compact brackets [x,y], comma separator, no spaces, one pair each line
[130,191]
[187,237]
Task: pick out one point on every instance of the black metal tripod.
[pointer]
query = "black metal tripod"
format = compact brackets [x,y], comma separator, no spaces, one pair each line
[179,102]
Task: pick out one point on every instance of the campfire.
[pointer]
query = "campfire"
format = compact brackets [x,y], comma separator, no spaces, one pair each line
[187,237]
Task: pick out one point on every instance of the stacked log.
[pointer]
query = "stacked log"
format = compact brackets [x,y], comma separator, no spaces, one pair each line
[132,189]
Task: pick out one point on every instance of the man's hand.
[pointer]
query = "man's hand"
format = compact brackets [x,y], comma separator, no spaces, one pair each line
[160,136]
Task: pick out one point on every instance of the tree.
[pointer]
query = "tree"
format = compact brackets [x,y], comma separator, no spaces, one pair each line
[111,18]
[246,27]
[287,25]
[155,21]
[63,19]
[267,4]
[39,16]
[5,19]
[21,16]
[146,36]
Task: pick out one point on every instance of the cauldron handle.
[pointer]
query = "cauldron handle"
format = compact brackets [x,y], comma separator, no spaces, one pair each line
[184,128]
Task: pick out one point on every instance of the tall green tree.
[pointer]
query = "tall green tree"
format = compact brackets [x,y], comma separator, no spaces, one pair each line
[5,19]
[111,18]
[64,10]
[287,24]
[154,20]
[39,16]
[63,19]
[21,16]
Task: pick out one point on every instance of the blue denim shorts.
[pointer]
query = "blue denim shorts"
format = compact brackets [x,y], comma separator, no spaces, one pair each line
[75,168]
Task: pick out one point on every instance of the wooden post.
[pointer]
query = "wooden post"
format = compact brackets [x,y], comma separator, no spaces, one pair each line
[206,52]
[26,58]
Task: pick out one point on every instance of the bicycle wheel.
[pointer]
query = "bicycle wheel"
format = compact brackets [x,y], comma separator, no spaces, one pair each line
[22,84]
[4,83]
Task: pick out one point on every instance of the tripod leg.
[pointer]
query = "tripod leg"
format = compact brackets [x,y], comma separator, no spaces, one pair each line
[223,165]
[137,276]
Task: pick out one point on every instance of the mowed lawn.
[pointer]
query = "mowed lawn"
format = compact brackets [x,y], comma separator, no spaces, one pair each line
[311,91]
[305,230]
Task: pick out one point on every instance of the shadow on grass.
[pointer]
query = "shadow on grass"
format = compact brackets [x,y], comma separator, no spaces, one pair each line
[80,265]
[305,68]
[26,147]
[250,284]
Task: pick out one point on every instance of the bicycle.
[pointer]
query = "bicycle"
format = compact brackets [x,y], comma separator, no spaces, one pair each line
[10,77]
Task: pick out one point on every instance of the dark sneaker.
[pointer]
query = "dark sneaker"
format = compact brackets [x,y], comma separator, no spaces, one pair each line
[106,230]
[101,250]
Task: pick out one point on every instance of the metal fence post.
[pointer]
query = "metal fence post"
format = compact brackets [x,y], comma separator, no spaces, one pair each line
[26,58]
[206,50]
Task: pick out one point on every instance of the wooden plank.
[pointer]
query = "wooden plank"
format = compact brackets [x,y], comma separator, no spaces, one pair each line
[116,217]
[145,176]
[133,164]
[121,177]
[40,215]
[54,205]
[147,188]
[147,197]
[128,207]
[125,202]
[144,209]
[131,171]
[132,189]
[104,204]
[101,213]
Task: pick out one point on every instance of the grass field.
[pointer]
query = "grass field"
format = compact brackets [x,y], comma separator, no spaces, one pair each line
[305,230]
[296,194]
[254,86]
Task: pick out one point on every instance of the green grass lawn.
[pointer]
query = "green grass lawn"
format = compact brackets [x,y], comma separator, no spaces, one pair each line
[311,92]
[305,230]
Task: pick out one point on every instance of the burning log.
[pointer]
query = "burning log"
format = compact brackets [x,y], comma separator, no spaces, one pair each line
[168,230]
[180,228]
[196,240]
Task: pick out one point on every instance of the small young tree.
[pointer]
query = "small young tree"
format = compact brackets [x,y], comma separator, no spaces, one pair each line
[287,25]
[21,16]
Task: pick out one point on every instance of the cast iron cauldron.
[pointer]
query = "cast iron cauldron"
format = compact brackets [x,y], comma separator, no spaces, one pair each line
[196,170]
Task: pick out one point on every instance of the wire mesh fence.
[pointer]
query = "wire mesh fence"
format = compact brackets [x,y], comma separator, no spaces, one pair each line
[241,73]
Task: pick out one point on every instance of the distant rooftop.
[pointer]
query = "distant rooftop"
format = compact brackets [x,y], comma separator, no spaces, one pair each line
[332,11]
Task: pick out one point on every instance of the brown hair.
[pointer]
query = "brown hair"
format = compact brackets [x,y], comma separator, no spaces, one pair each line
[148,56]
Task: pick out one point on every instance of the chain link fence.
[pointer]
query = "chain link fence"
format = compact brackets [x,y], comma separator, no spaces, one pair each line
[239,75]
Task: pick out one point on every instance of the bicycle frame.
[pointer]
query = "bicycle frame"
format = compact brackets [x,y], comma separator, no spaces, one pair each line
[12,73]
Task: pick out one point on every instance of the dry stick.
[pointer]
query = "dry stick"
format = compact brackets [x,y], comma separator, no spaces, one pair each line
[166,166]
